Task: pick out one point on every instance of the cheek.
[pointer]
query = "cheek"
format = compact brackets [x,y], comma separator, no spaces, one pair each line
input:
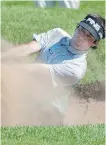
[85,41]
[84,45]
[90,43]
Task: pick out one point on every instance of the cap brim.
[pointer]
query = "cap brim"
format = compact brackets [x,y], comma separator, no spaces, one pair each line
[90,30]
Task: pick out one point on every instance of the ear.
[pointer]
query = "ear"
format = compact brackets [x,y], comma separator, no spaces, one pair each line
[95,43]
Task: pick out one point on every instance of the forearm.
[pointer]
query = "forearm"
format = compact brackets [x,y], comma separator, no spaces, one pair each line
[23,49]
[40,72]
[33,78]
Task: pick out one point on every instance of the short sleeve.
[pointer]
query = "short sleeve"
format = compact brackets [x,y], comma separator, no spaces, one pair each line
[67,73]
[43,38]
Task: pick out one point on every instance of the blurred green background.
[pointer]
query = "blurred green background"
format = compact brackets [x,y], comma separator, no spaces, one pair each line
[20,19]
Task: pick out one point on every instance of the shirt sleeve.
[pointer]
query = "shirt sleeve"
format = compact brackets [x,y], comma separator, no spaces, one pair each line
[66,74]
[44,38]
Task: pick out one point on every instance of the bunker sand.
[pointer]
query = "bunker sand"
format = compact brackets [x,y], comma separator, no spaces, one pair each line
[27,97]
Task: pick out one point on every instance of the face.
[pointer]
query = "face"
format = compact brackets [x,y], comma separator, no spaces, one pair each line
[82,39]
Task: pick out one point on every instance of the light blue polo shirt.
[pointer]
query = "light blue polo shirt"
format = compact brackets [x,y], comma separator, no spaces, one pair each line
[66,63]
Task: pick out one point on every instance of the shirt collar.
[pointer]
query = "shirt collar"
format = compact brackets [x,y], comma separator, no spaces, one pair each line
[66,41]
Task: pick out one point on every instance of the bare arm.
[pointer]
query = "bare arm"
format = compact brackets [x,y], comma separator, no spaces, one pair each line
[23,49]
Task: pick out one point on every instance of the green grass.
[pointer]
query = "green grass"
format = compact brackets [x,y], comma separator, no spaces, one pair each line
[79,135]
[19,20]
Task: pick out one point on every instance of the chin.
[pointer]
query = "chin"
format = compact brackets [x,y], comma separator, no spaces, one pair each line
[82,48]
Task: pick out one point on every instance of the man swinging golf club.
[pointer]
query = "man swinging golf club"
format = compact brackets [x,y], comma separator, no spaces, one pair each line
[62,59]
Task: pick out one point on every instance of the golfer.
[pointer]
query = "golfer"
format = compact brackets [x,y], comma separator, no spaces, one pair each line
[62,57]
[65,56]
